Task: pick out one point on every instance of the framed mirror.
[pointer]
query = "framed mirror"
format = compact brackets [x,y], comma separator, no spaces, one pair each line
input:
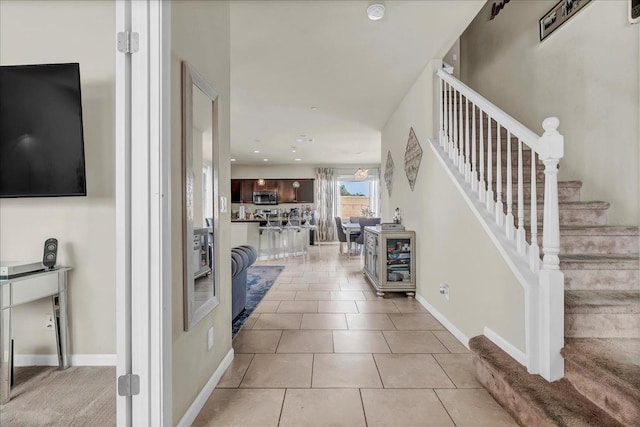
[199,195]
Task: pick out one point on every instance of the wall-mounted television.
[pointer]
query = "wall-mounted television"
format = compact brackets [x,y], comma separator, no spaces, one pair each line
[41,138]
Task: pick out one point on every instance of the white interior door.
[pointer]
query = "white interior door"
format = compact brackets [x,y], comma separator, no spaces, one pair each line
[143,249]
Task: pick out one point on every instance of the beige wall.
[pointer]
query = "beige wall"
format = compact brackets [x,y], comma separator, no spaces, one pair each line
[453,58]
[273,171]
[200,35]
[74,31]
[585,73]
[451,245]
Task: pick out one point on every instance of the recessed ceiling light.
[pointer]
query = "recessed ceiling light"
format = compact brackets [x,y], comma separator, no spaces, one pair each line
[256,151]
[297,160]
[265,160]
[314,108]
[233,160]
[257,140]
[293,149]
[299,140]
[375,11]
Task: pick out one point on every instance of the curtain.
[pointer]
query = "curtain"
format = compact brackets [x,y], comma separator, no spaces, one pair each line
[326,193]
[374,193]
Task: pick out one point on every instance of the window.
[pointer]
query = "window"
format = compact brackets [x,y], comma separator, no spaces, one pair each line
[357,198]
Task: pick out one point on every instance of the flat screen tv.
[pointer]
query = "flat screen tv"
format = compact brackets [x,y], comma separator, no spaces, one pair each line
[41,139]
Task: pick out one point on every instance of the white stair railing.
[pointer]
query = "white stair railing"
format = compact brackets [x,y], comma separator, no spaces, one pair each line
[466,118]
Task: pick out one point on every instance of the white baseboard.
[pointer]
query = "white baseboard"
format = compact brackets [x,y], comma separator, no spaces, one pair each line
[190,416]
[74,360]
[518,355]
[445,322]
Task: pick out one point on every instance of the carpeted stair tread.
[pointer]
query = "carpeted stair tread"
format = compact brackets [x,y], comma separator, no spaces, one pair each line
[602,301]
[596,230]
[600,262]
[530,399]
[608,370]
[571,205]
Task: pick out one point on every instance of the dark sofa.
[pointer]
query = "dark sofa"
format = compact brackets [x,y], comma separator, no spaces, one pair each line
[242,257]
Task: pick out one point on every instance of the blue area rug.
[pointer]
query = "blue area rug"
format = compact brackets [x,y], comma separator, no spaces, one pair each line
[259,281]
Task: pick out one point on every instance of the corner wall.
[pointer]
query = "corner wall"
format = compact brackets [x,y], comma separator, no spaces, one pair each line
[452,247]
[37,32]
[200,35]
[585,73]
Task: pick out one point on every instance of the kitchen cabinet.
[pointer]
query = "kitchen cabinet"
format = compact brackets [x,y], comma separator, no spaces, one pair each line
[242,190]
[390,260]
[236,191]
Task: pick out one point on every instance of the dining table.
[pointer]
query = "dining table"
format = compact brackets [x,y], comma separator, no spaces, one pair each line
[350,228]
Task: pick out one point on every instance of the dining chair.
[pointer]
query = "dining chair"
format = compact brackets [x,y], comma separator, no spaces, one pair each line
[365,222]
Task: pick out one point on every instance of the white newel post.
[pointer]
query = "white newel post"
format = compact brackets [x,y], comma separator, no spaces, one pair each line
[551,279]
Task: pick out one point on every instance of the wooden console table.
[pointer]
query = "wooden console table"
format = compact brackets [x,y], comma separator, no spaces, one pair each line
[24,289]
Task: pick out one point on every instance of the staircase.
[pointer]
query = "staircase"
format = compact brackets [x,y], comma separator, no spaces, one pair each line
[600,264]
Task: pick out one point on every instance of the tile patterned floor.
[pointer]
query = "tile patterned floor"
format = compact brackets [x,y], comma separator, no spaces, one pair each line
[322,350]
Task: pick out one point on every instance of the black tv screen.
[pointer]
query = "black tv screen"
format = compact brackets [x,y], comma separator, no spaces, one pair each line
[41,139]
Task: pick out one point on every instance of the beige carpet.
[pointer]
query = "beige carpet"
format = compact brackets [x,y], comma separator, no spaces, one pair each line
[78,396]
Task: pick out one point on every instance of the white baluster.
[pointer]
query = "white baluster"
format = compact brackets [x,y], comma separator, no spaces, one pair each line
[460,139]
[482,189]
[553,151]
[441,136]
[450,95]
[499,205]
[455,128]
[445,109]
[467,169]
[509,227]
[490,205]
[474,166]
[534,249]
[520,235]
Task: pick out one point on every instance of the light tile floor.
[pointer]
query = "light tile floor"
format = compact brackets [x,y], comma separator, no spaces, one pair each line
[322,350]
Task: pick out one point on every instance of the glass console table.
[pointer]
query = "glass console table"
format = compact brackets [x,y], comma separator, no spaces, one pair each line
[24,289]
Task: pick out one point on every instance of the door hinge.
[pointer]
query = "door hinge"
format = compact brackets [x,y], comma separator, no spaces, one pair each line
[128,42]
[128,385]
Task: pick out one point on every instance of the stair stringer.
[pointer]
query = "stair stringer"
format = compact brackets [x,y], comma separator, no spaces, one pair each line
[539,315]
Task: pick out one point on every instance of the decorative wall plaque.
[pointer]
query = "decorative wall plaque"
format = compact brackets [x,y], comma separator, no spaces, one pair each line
[388,172]
[412,158]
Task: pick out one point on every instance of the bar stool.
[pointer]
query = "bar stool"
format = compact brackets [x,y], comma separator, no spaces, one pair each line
[274,240]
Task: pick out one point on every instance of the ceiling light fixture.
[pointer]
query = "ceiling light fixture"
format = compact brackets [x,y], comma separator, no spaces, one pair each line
[375,11]
[265,160]
[256,151]
[261,182]
[297,160]
[314,108]
[233,160]
[361,174]
[293,149]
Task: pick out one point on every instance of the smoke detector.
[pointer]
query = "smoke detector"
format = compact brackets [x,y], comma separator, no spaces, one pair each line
[375,11]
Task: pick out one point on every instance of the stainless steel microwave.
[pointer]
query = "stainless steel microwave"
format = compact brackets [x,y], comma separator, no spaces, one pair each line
[265,198]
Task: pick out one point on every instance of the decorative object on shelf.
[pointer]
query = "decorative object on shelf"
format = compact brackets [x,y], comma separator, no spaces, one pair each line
[388,172]
[559,14]
[260,182]
[397,219]
[361,174]
[412,158]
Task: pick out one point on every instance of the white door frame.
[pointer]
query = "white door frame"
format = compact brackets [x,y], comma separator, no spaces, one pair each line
[143,221]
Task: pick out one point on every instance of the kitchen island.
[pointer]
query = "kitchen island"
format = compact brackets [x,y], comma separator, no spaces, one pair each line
[278,242]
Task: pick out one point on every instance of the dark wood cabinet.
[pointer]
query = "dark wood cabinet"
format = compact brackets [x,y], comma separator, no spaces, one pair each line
[236,191]
[242,190]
